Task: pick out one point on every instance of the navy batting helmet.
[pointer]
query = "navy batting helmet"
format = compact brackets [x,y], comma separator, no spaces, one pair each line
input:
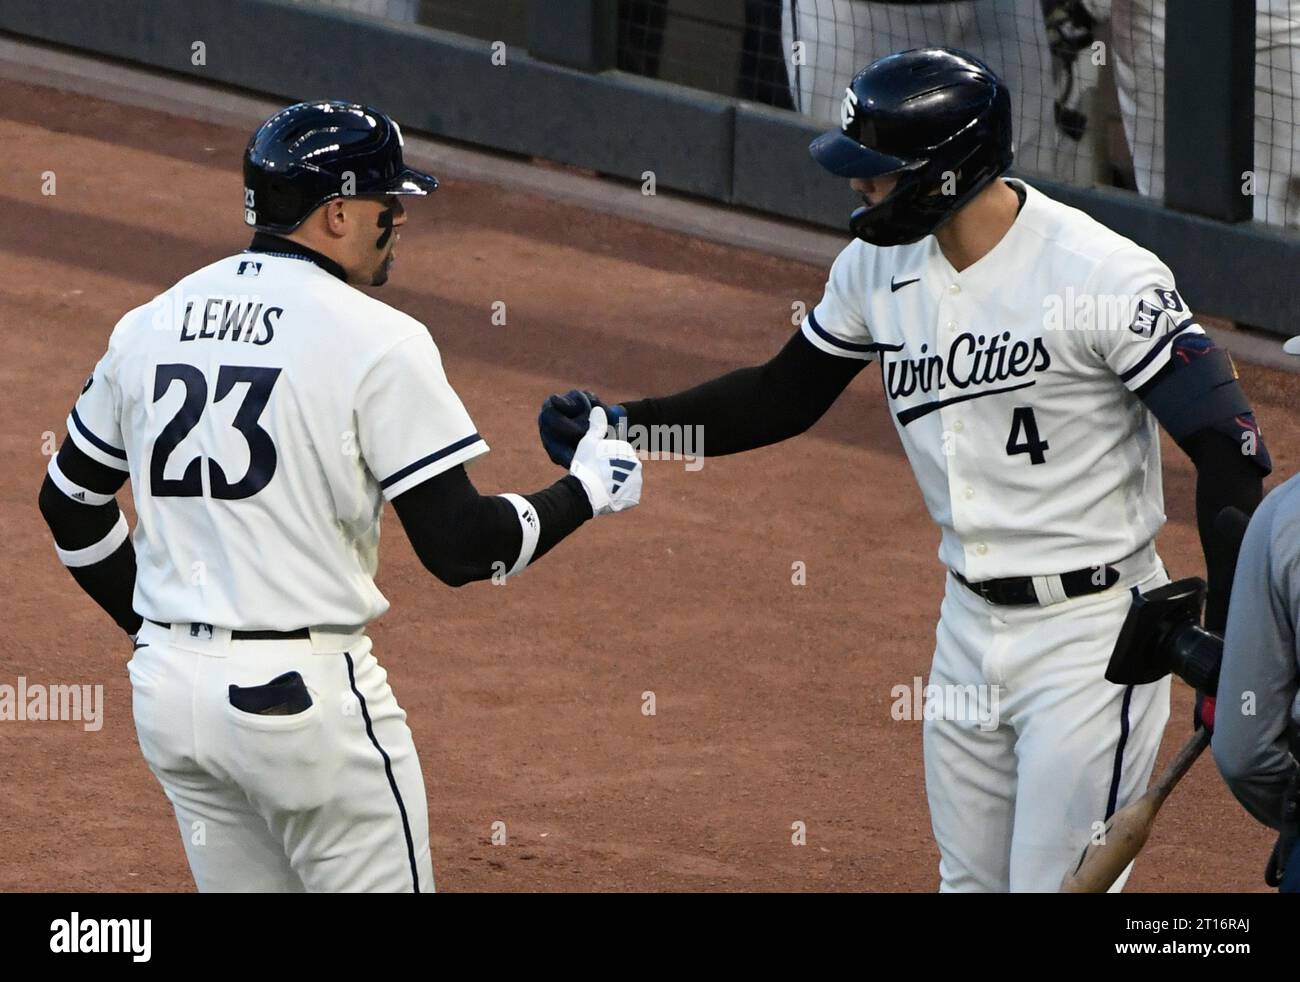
[938,118]
[314,151]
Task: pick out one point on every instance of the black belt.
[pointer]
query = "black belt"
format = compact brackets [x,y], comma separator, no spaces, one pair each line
[1016,591]
[196,630]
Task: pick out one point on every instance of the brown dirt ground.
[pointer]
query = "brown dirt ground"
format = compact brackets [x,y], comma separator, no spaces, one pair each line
[773,701]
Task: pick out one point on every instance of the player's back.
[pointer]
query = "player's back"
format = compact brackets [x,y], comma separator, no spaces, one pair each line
[239,393]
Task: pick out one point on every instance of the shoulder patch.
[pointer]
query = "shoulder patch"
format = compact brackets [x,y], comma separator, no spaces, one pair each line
[1145,319]
[1170,300]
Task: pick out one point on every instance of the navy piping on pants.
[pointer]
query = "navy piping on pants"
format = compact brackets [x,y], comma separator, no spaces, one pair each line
[388,769]
[1119,754]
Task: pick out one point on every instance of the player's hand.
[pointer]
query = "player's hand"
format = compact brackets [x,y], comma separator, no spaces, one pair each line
[563,422]
[608,469]
[1203,713]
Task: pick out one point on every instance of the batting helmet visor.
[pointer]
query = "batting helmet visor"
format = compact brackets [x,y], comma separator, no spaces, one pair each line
[844,156]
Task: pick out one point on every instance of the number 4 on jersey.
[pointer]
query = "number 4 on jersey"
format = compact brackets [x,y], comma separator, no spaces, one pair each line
[1023,422]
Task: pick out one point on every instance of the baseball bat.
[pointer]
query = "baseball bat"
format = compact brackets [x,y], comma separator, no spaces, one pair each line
[1126,833]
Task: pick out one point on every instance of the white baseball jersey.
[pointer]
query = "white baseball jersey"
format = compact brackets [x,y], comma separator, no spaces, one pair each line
[262,408]
[1011,385]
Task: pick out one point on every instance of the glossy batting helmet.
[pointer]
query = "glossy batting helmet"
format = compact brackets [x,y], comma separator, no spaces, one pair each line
[314,151]
[938,118]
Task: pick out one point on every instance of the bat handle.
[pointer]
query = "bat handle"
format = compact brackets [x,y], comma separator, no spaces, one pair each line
[1182,762]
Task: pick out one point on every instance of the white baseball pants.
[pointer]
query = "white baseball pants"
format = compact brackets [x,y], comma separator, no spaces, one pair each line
[330,799]
[1014,804]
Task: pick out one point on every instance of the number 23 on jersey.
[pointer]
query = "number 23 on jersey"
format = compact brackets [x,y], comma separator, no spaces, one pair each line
[261,449]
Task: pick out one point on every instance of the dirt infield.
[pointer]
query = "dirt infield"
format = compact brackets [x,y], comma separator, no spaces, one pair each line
[525,700]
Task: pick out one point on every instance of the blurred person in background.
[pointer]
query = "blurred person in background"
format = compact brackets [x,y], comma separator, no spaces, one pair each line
[1256,719]
[1138,40]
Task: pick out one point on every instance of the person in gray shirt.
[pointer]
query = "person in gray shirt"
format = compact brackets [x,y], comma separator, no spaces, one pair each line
[1257,714]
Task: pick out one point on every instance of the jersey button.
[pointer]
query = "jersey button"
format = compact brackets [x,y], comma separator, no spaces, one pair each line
[952,325]
[954,288]
[970,493]
[981,548]
[958,426]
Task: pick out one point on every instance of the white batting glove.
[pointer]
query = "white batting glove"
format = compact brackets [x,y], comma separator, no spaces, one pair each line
[608,469]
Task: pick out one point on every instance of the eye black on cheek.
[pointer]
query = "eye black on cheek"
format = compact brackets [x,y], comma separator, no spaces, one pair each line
[385,222]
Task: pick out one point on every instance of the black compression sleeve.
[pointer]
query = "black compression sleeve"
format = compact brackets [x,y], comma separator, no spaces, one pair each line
[1201,405]
[758,406]
[1225,477]
[462,536]
[109,582]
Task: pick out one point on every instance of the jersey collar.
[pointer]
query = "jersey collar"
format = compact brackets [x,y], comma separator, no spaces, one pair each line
[1007,245]
[275,245]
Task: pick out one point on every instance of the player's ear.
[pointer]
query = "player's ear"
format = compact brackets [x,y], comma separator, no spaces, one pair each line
[335,217]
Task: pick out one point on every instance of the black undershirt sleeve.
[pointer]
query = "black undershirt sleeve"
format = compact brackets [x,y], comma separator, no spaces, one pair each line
[462,536]
[758,406]
[75,525]
[1225,477]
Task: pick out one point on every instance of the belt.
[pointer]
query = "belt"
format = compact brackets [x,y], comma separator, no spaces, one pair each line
[302,634]
[1016,591]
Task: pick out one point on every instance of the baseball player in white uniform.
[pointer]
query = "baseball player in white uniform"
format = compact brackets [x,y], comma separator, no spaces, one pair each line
[263,409]
[1027,353]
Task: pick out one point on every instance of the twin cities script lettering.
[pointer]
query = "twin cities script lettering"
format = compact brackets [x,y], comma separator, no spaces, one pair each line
[225,319]
[972,360]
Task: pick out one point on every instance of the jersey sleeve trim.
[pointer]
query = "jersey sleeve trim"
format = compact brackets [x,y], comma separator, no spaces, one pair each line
[433,465]
[827,342]
[1154,359]
[93,446]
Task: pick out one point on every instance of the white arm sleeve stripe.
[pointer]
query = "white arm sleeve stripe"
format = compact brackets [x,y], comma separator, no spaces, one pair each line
[93,447]
[98,552]
[73,490]
[532,529]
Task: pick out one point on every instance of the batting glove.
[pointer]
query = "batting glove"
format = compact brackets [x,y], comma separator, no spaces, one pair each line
[563,422]
[608,469]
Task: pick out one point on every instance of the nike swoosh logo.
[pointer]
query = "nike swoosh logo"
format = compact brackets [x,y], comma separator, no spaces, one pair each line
[895,287]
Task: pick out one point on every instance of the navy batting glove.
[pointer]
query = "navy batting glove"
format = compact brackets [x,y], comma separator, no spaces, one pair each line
[563,422]
[614,415]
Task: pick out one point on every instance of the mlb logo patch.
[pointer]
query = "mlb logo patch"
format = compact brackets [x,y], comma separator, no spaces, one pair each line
[1144,321]
[249,268]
